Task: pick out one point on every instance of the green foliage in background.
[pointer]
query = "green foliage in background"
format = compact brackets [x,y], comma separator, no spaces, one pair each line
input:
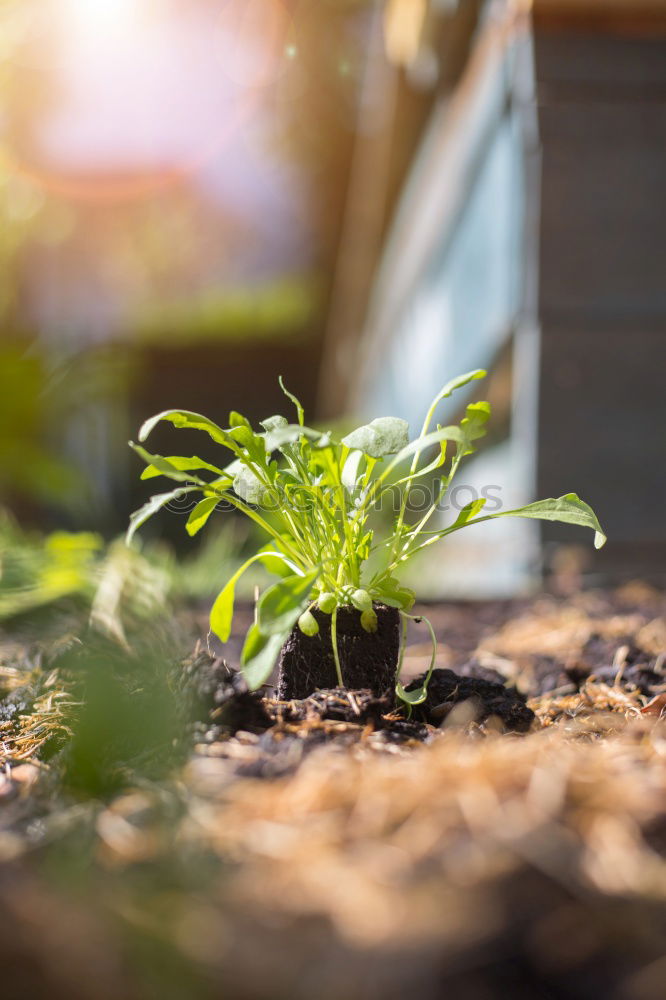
[281,308]
[37,570]
[43,396]
[28,466]
[109,585]
[315,502]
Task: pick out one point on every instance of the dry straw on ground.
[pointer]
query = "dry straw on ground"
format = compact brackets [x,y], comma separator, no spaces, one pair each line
[478,865]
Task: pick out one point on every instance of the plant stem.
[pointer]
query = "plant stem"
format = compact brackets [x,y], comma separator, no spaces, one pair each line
[403,643]
[334,642]
[433,637]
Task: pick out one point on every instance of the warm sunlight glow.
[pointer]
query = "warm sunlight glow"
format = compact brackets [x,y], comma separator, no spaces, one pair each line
[95,16]
[144,93]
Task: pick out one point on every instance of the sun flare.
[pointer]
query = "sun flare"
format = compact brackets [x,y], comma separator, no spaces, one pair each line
[95,16]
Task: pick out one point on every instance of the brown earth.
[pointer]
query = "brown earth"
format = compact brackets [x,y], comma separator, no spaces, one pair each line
[329,847]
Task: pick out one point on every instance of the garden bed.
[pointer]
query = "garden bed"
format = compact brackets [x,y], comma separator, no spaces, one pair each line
[508,839]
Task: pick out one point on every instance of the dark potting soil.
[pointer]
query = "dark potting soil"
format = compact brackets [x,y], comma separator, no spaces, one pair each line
[487,699]
[219,693]
[336,704]
[367,659]
[286,729]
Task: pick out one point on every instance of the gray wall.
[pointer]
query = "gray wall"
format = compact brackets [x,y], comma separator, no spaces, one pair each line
[602,297]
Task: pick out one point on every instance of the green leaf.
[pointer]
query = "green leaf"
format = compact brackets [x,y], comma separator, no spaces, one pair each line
[165,467]
[238,420]
[308,624]
[259,655]
[448,390]
[469,511]
[200,514]
[420,444]
[473,425]
[383,436]
[194,421]
[327,602]
[361,600]
[350,470]
[416,697]
[249,487]
[288,434]
[178,462]
[244,436]
[222,612]
[274,423]
[458,383]
[155,503]
[275,562]
[369,620]
[253,444]
[280,605]
[568,509]
[436,463]
[299,406]
[471,428]
[364,544]
[392,593]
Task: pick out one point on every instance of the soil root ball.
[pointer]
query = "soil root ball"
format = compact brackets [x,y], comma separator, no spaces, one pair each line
[368,659]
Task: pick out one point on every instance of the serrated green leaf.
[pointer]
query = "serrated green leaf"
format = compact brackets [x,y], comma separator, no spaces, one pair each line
[165,467]
[382,436]
[473,425]
[179,462]
[187,419]
[568,509]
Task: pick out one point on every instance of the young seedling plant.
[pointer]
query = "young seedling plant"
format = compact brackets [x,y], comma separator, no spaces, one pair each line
[313,497]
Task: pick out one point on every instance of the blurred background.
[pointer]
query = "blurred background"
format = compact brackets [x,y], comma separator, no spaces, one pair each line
[365,197]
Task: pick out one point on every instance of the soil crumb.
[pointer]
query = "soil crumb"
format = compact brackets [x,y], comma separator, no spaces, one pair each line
[486,699]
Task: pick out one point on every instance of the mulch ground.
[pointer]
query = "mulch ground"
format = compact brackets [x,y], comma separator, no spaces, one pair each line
[506,840]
